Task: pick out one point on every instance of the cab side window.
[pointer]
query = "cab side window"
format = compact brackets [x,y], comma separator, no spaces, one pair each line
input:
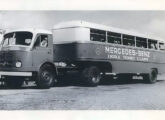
[42,41]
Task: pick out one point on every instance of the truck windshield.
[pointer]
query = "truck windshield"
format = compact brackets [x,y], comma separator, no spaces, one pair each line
[18,38]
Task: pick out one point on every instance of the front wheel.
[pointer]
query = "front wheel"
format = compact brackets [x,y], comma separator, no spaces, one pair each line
[46,77]
[91,75]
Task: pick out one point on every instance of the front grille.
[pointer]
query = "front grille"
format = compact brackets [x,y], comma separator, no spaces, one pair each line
[6,59]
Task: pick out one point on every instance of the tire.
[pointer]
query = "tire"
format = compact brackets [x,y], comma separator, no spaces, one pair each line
[151,77]
[14,82]
[91,76]
[46,77]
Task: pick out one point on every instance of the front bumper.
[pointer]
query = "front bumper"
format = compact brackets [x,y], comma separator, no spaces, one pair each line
[6,73]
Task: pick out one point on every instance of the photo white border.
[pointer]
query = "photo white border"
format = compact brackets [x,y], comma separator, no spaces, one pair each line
[83,5]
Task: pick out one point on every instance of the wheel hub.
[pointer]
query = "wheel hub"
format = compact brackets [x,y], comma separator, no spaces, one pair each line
[46,75]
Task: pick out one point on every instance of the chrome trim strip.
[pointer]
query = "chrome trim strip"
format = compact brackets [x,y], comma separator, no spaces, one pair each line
[110,73]
[15,73]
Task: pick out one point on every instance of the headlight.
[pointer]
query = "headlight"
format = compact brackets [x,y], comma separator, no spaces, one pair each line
[18,64]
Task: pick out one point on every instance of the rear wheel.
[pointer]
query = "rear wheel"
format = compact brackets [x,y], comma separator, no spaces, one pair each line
[14,82]
[91,75]
[46,77]
[151,77]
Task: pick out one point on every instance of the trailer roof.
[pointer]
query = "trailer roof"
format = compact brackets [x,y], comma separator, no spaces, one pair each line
[79,23]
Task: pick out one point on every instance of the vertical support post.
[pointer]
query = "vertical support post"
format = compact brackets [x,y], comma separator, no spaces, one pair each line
[135,41]
[147,43]
[121,39]
[158,45]
[106,37]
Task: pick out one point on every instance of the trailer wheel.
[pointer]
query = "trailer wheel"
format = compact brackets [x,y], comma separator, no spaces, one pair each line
[91,75]
[46,77]
[151,77]
[14,82]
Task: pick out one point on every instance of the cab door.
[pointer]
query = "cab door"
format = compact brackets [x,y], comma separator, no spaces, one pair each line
[42,50]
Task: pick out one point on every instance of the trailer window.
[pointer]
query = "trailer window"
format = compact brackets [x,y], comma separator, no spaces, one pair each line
[141,42]
[128,40]
[152,44]
[97,35]
[161,46]
[114,37]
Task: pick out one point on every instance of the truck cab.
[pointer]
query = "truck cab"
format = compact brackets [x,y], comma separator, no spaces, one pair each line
[24,55]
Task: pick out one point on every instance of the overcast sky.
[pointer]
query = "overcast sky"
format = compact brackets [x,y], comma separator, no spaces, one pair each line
[147,22]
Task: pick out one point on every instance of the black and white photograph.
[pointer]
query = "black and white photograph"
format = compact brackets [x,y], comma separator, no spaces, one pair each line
[82,60]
